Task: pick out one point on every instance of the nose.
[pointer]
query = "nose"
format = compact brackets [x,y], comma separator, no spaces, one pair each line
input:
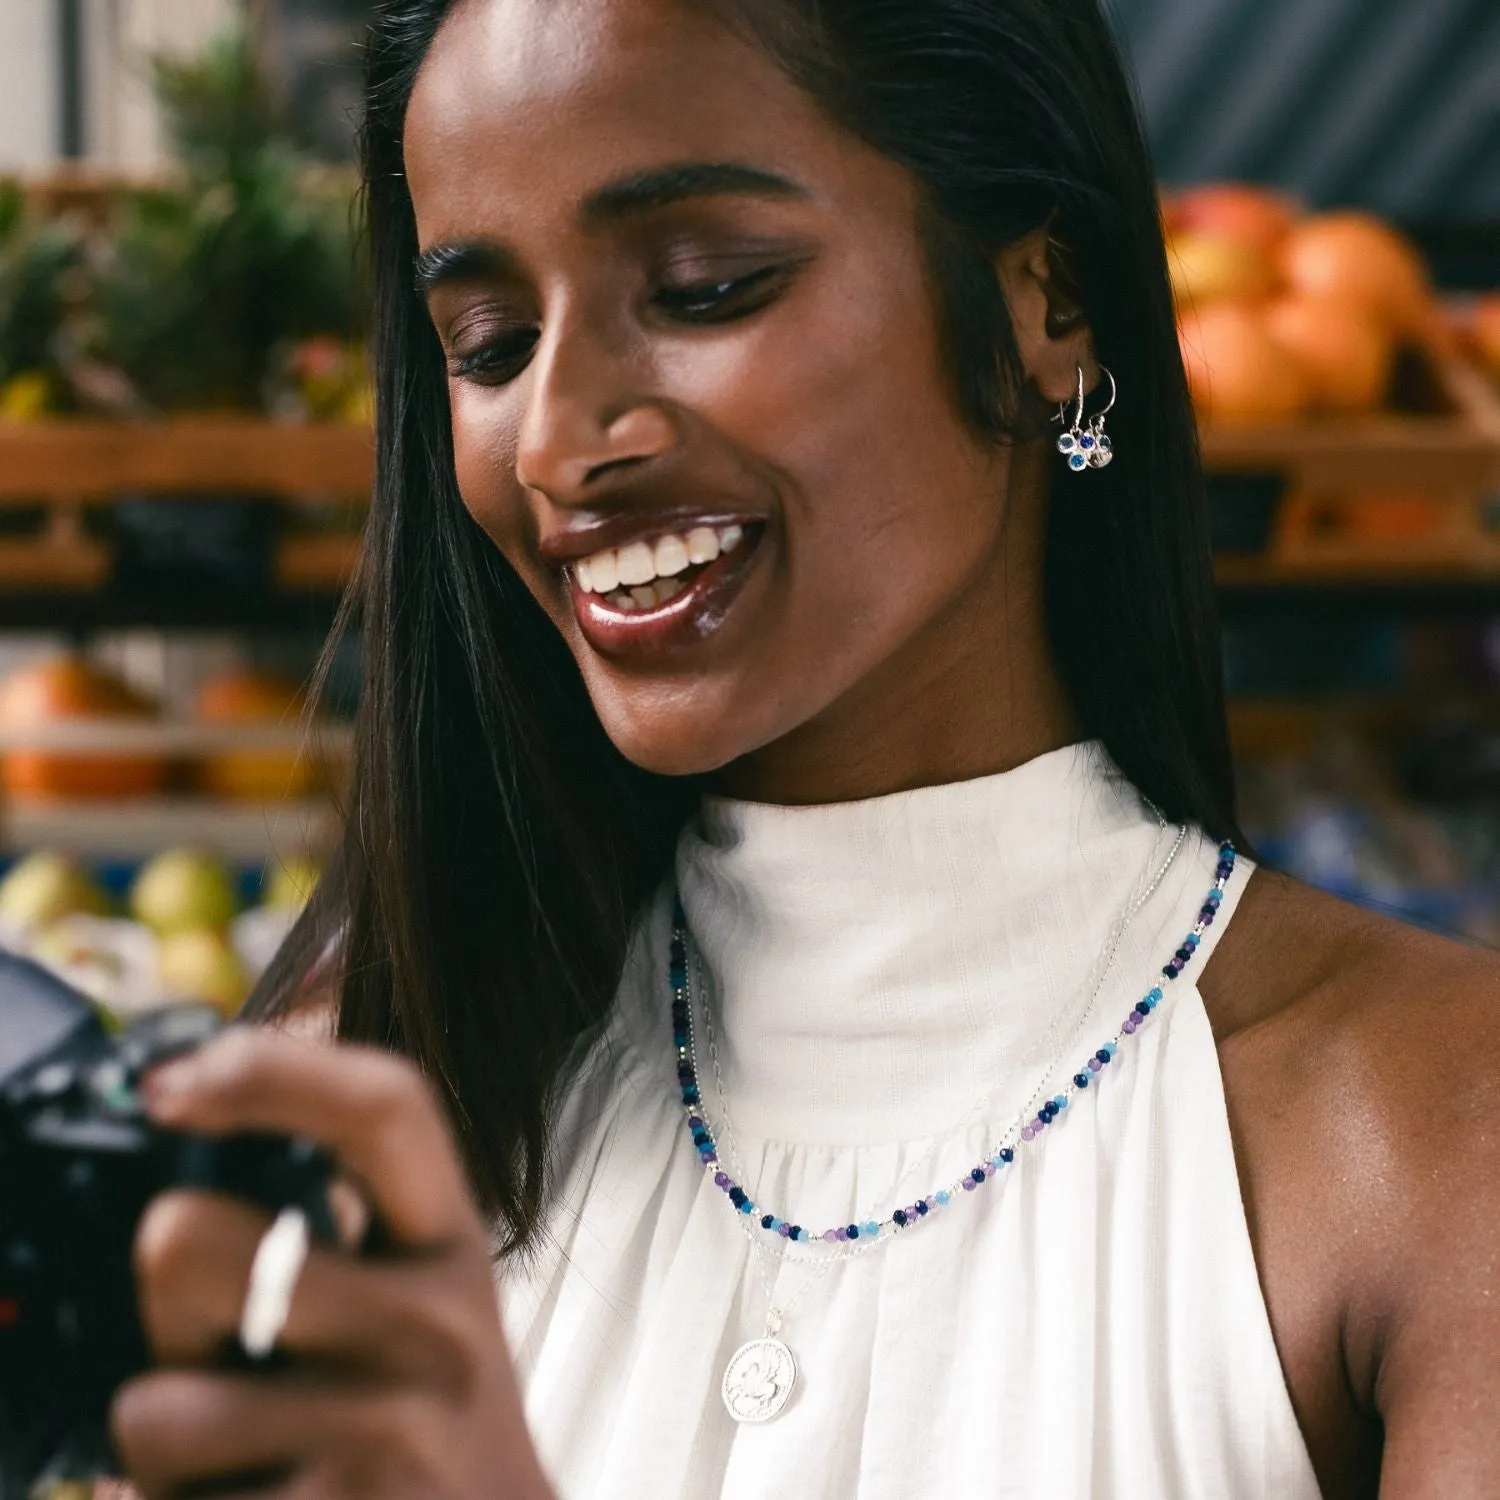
[587,420]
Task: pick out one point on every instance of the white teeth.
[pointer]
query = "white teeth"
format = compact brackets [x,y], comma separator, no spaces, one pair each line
[668,588]
[603,572]
[671,556]
[645,596]
[702,545]
[637,564]
[623,602]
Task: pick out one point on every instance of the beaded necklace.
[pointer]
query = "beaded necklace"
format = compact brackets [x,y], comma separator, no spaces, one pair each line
[759,1379]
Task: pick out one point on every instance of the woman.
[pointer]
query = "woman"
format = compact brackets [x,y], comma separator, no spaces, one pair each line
[722,544]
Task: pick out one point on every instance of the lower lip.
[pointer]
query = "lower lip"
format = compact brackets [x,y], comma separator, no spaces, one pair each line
[683,621]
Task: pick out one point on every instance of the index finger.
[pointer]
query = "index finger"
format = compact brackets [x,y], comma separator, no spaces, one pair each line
[374,1111]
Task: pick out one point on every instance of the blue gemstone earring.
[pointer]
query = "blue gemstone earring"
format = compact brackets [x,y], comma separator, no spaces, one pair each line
[1087,447]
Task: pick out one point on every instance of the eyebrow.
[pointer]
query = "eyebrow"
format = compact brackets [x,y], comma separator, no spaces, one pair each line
[664,186]
[642,192]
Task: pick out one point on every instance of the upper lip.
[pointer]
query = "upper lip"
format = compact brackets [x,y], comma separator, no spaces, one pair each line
[583,535]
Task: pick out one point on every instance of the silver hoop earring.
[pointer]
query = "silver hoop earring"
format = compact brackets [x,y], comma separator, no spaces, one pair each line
[1087,447]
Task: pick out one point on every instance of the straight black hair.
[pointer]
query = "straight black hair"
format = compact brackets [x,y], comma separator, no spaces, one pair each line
[497,849]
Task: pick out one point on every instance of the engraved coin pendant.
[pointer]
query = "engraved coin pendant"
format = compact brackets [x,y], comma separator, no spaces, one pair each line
[758,1382]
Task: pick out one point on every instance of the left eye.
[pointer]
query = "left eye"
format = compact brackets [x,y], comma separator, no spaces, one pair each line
[721,301]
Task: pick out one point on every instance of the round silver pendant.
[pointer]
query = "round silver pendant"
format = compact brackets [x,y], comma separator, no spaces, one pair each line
[758,1382]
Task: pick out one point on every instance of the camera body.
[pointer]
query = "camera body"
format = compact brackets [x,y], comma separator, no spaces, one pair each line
[79,1162]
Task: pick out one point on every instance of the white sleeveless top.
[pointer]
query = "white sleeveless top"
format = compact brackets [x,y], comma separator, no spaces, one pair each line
[893,983]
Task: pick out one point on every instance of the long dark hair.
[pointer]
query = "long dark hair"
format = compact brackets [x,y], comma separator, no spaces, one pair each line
[497,848]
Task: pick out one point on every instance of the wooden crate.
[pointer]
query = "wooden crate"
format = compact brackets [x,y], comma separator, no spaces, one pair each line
[69,465]
[1392,495]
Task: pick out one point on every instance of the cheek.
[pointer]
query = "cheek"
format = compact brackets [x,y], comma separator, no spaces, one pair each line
[486,423]
[892,504]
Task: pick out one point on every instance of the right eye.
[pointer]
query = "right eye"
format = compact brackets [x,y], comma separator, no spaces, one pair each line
[497,360]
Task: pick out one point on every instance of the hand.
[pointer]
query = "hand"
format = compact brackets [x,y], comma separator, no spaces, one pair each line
[397,1382]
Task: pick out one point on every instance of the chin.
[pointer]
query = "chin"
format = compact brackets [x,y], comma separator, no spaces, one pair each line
[665,740]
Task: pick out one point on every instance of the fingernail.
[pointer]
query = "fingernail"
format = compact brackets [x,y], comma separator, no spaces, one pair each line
[164,1087]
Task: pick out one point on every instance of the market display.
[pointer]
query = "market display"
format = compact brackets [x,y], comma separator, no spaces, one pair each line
[180,930]
[1283,314]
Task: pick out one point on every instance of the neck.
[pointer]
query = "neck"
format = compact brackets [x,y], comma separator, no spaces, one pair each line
[974,694]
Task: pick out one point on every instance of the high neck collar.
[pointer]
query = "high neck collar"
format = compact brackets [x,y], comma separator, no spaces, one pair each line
[874,966]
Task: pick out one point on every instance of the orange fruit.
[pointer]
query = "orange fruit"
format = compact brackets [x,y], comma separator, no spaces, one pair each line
[68,687]
[1237,372]
[1253,216]
[248,697]
[1345,351]
[1209,268]
[1360,259]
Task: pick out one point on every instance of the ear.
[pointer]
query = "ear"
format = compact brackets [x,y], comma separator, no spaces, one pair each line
[1047,313]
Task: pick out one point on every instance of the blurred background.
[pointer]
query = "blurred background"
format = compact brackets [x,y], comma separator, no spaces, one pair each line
[184,451]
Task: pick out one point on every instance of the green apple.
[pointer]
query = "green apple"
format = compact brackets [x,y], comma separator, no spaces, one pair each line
[289,882]
[183,888]
[46,886]
[198,963]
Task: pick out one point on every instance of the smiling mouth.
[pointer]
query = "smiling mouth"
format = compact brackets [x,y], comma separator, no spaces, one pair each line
[642,576]
[659,596]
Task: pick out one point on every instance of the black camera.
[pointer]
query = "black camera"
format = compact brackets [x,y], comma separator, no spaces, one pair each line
[79,1162]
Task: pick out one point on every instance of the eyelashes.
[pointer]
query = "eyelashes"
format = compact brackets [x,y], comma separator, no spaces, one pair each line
[502,357]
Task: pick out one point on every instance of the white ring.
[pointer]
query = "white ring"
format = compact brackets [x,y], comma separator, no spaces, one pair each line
[278,1263]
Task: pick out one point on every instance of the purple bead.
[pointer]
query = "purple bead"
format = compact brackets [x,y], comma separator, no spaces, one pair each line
[1028,1133]
[841,1234]
[721,1180]
[785,1231]
[1129,1027]
[1095,1065]
[968,1184]
[831,1235]
[694,1123]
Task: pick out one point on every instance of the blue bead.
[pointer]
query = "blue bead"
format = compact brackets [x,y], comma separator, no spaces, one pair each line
[1061,1101]
[1081,1079]
[899,1218]
[870,1230]
[943,1200]
[1007,1154]
[853,1231]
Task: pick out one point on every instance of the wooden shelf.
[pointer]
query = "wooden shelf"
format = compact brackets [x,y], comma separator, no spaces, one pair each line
[153,737]
[244,832]
[94,461]
[1453,450]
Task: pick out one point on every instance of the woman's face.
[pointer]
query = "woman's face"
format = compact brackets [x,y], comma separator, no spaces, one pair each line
[697,393]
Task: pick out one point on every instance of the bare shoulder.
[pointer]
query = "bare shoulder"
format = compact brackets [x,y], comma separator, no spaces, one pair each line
[1355,1051]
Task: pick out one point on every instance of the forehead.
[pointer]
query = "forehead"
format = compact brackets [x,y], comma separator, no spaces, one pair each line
[546,98]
